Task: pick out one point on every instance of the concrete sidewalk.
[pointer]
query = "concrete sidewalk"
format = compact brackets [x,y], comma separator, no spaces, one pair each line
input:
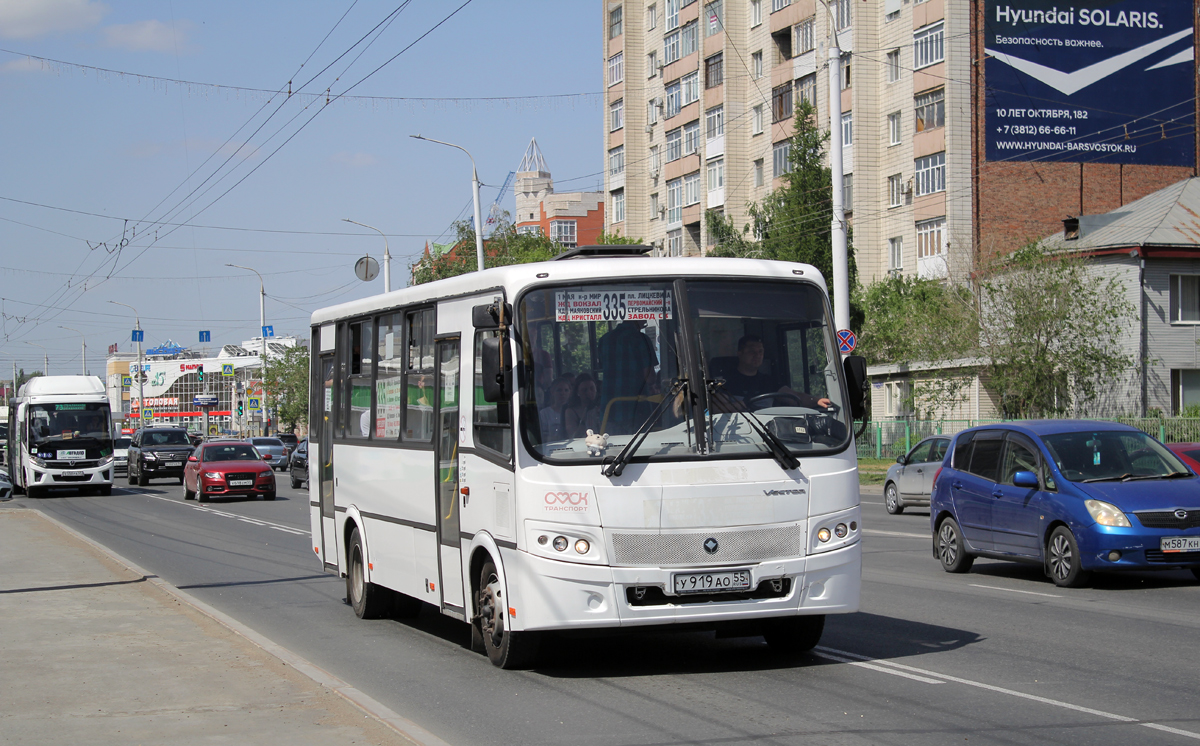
[92,651]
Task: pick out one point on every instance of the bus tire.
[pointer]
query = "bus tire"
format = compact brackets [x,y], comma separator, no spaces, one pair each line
[794,635]
[34,493]
[368,600]
[504,648]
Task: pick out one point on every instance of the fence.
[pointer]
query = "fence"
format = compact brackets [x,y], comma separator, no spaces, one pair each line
[892,438]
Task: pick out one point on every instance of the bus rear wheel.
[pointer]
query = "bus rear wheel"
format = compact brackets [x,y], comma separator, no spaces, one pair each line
[504,648]
[794,634]
[368,600]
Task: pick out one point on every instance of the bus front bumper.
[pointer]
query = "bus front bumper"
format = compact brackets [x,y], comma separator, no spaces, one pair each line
[96,475]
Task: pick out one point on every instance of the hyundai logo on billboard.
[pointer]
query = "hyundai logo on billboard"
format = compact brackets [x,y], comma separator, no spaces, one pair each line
[1097,82]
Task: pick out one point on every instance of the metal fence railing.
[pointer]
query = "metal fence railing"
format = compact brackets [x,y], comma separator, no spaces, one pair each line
[891,438]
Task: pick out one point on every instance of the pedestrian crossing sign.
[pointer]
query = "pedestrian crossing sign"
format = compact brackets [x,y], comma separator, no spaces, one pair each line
[253,403]
[227,369]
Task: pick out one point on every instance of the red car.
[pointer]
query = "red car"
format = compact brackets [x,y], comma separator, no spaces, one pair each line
[1189,453]
[224,468]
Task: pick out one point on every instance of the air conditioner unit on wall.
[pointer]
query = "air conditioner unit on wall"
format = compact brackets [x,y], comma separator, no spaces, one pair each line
[908,187]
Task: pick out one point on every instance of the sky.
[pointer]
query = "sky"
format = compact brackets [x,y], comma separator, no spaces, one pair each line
[145,145]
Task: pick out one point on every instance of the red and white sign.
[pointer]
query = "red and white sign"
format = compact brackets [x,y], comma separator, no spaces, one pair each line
[155,401]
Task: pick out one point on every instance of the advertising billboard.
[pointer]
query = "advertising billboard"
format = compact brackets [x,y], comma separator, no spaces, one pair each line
[1097,82]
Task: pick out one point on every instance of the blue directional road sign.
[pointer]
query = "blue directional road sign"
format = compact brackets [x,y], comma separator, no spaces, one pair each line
[138,335]
[846,341]
[268,331]
[227,369]
[205,336]
[253,403]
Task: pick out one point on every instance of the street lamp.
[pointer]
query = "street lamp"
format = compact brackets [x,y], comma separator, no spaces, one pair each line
[387,258]
[45,359]
[474,196]
[840,255]
[137,325]
[82,349]
[262,324]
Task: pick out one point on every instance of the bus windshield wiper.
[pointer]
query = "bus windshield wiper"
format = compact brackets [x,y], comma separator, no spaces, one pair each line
[776,446]
[617,465]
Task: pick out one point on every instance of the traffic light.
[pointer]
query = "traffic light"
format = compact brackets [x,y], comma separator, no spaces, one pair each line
[240,408]
[200,375]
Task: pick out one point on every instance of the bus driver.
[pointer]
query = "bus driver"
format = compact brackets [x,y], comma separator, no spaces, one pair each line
[746,381]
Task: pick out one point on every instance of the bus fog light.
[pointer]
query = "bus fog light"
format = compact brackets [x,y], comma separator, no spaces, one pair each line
[840,530]
[853,525]
[560,543]
[582,546]
[823,535]
[543,540]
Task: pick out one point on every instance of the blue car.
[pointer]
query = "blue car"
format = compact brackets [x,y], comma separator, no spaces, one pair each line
[1075,496]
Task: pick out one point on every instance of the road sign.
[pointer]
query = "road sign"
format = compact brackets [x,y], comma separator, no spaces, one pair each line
[147,414]
[212,429]
[268,331]
[253,403]
[138,335]
[205,336]
[846,341]
[227,369]
[127,381]
[205,400]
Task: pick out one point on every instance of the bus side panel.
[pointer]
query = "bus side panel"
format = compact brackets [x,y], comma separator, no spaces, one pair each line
[314,508]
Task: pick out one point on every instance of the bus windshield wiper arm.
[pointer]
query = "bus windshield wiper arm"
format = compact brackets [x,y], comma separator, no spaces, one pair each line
[778,450]
[617,465]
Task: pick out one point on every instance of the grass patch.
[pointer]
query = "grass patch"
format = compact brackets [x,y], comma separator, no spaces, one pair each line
[873,470]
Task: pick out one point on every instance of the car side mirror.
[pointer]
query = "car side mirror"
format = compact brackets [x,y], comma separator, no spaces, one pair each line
[497,376]
[855,367]
[193,459]
[1025,479]
[901,459]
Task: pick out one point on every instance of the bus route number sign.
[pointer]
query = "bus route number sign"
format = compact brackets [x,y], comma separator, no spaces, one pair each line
[612,305]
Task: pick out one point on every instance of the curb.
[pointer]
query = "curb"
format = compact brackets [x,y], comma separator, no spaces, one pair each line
[369,705]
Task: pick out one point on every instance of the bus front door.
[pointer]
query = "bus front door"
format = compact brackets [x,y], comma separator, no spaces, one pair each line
[324,467]
[449,544]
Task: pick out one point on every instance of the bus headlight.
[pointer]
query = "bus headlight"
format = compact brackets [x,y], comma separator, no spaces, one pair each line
[560,543]
[37,461]
[582,546]
[823,535]
[106,460]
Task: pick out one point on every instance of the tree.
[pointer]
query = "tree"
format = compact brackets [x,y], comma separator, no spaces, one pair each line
[286,380]
[23,377]
[505,246]
[616,239]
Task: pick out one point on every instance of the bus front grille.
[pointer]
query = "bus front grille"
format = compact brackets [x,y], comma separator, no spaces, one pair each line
[690,550]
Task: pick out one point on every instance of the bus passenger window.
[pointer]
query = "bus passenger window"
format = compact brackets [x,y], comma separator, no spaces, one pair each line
[493,421]
[357,404]
[389,383]
[419,387]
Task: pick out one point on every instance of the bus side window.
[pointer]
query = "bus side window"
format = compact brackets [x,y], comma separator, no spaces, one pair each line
[389,381]
[356,405]
[419,385]
[493,421]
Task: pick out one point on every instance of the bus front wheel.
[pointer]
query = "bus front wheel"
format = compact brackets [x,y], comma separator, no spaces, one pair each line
[794,634]
[504,648]
[368,600]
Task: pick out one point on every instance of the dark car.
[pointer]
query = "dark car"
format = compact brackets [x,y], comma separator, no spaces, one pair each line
[910,480]
[298,464]
[290,441]
[1075,496]
[227,469]
[157,453]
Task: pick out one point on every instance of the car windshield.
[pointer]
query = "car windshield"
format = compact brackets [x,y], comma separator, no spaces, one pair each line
[71,426]
[231,452]
[165,438]
[603,358]
[1112,455]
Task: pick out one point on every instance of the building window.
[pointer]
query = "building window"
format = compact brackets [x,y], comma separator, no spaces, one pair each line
[931,174]
[616,160]
[672,15]
[848,192]
[756,120]
[714,71]
[529,230]
[894,128]
[675,242]
[652,65]
[783,44]
[562,232]
[756,67]
[781,157]
[655,160]
[670,47]
[618,206]
[715,13]
[674,91]
[654,206]
[651,17]
[691,189]
[806,90]
[896,253]
[781,103]
[931,238]
[755,12]
[847,129]
[675,201]
[674,144]
[652,112]
[691,137]
[616,115]
[689,38]
[845,76]
[714,122]
[1185,298]
[777,5]
[842,13]
[929,46]
[691,88]
[895,190]
[614,22]
[616,68]
[806,35]
[892,63]
[758,172]
[931,110]
[716,174]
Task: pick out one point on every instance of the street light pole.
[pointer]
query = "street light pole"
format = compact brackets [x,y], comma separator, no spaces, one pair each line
[474,196]
[45,358]
[387,258]
[82,349]
[137,325]
[840,255]
[262,328]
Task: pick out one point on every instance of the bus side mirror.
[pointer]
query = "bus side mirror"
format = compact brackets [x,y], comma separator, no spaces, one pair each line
[855,367]
[496,378]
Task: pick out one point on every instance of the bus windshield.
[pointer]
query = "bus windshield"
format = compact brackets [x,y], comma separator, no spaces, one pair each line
[602,357]
[71,426]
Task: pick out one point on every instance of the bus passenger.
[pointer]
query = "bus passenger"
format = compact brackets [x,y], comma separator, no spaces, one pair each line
[551,415]
[583,410]
[627,359]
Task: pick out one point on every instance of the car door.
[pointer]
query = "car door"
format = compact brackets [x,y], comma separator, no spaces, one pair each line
[972,488]
[937,454]
[912,474]
[1016,510]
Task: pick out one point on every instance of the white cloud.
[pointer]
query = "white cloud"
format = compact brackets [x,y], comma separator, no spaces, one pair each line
[148,36]
[354,160]
[29,19]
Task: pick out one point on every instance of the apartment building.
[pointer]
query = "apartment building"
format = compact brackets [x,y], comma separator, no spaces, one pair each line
[569,218]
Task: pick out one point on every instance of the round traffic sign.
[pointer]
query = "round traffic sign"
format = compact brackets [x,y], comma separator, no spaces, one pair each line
[366,269]
[847,341]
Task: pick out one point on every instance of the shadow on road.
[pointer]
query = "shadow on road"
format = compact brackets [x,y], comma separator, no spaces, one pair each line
[1101,581]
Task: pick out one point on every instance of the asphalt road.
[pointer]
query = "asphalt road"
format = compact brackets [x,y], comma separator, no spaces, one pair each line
[997,656]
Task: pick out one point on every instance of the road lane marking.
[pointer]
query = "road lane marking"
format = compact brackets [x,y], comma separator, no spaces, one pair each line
[877,532]
[1013,590]
[881,669]
[206,509]
[1176,731]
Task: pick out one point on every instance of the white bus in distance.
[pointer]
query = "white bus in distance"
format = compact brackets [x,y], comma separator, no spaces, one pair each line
[60,435]
[607,440]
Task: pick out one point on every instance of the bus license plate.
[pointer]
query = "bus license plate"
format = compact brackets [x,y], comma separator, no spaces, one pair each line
[1180,543]
[72,474]
[709,582]
[241,482]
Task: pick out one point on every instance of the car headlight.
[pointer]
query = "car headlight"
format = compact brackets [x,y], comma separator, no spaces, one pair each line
[149,457]
[266,475]
[1106,514]
[213,475]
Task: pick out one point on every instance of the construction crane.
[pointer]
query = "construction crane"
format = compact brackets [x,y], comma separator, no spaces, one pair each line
[496,211]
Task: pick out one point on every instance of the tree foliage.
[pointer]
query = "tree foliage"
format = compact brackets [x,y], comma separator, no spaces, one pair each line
[503,247]
[286,381]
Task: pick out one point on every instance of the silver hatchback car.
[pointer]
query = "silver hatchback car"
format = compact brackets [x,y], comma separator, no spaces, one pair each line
[909,481]
[273,451]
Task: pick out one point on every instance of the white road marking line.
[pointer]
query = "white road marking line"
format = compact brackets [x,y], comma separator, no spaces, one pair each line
[1176,731]
[1013,590]
[870,502]
[206,509]
[881,669]
[981,685]
[877,532]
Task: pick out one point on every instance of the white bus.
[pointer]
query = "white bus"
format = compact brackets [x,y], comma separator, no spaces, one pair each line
[451,463]
[60,435]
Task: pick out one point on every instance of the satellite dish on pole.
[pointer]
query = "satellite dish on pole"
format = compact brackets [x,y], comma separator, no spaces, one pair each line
[366,269]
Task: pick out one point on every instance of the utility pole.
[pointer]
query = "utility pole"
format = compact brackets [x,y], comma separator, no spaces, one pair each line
[137,321]
[841,269]
[82,349]
[262,328]
[474,196]
[45,358]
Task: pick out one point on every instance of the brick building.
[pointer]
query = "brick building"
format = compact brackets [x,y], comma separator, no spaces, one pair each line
[569,218]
